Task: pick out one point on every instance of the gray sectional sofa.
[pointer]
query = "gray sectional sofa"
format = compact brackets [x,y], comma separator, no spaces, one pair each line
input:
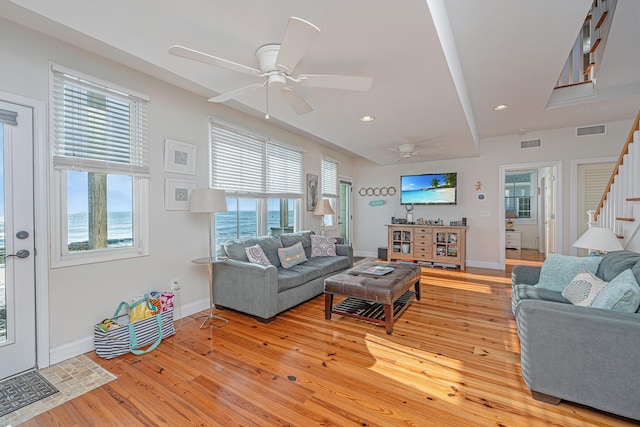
[581,354]
[264,291]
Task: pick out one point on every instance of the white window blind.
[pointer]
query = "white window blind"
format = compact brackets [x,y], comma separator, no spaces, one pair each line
[329,173]
[247,164]
[98,129]
[8,117]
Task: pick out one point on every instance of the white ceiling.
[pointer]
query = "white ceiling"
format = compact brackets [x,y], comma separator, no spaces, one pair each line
[439,66]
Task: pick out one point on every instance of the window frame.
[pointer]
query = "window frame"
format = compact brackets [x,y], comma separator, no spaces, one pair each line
[60,254]
[260,191]
[329,176]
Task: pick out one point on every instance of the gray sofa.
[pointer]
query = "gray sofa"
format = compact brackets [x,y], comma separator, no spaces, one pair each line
[581,354]
[264,291]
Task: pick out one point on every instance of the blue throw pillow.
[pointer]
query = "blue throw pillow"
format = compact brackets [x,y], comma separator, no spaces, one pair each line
[621,294]
[558,270]
[293,255]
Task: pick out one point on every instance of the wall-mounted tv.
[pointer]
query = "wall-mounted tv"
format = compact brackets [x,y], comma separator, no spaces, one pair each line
[428,189]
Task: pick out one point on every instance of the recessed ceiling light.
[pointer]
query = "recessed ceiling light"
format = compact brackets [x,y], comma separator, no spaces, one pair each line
[367,118]
[501,107]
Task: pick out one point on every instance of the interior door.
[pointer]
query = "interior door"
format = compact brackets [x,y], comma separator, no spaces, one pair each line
[17,274]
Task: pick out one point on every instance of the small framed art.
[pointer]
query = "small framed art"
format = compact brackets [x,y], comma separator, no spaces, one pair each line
[312,191]
[177,193]
[179,157]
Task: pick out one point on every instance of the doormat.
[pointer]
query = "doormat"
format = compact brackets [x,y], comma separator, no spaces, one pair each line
[23,390]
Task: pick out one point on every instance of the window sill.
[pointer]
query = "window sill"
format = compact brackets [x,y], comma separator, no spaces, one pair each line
[97,256]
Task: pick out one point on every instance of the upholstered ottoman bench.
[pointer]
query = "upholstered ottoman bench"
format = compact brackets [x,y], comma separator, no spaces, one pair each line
[373,297]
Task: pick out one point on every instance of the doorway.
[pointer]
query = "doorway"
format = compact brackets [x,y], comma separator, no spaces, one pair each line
[17,243]
[549,210]
[344,214]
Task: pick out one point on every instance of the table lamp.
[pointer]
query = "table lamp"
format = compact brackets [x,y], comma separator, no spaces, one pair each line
[598,239]
[510,216]
[323,208]
[209,201]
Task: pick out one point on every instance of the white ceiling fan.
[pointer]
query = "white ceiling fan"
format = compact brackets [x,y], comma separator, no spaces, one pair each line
[408,151]
[276,63]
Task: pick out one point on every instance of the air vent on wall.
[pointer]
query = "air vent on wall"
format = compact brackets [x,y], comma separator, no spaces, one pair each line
[531,143]
[591,130]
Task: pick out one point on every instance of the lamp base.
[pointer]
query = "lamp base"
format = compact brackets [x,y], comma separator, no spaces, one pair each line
[211,316]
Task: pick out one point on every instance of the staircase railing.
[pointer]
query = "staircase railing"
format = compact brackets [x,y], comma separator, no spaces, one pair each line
[615,210]
[587,50]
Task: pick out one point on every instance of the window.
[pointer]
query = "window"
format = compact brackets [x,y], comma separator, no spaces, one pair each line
[263,181]
[520,195]
[329,181]
[100,170]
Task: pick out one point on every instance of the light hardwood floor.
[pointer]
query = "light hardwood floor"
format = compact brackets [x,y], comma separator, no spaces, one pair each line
[453,361]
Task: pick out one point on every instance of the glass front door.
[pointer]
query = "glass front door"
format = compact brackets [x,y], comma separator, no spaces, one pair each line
[17,278]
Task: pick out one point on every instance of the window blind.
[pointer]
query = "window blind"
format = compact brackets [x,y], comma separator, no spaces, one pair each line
[8,117]
[98,129]
[329,171]
[246,164]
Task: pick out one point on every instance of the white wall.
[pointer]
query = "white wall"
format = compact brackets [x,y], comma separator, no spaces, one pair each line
[81,296]
[483,237]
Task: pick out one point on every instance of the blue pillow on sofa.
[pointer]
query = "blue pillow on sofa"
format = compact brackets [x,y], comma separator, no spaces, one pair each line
[621,294]
[558,270]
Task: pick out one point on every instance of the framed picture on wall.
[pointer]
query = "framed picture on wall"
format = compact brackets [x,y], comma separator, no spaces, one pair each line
[179,157]
[312,191]
[177,193]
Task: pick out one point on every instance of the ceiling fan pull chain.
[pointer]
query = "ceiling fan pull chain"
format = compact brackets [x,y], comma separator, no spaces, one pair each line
[266,116]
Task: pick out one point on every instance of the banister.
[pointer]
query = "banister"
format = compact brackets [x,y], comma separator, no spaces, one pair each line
[625,150]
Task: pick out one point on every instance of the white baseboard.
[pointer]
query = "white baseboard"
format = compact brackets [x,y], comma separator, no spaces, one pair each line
[80,346]
[482,264]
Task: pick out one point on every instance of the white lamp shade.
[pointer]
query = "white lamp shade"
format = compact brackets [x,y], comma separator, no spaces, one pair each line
[208,200]
[599,239]
[323,208]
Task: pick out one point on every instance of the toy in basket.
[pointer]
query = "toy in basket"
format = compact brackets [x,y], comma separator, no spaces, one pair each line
[148,320]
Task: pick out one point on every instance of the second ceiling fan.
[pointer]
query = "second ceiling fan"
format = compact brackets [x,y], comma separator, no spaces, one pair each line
[276,63]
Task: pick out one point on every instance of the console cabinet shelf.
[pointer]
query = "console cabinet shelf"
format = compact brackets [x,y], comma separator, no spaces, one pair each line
[436,245]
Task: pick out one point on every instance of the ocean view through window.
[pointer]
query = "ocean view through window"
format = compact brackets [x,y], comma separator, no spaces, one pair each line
[100,161]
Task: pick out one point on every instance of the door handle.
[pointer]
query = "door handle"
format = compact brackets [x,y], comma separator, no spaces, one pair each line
[22,253]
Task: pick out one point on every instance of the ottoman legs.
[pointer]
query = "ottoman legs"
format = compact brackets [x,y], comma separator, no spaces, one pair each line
[328,304]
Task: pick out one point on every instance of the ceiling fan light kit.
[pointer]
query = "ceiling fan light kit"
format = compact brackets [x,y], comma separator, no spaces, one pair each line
[276,63]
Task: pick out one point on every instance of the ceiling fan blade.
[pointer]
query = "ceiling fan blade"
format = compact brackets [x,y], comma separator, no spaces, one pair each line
[194,55]
[360,83]
[237,92]
[295,100]
[297,38]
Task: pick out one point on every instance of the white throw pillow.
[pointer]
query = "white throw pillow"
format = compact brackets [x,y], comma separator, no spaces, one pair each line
[323,246]
[583,289]
[256,255]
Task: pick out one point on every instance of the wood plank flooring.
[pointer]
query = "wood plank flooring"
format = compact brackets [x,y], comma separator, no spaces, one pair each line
[453,360]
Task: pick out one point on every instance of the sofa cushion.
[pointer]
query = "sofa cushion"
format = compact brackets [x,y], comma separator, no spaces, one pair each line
[292,255]
[329,264]
[304,237]
[295,276]
[256,255]
[583,289]
[235,249]
[323,246]
[621,294]
[558,270]
[614,263]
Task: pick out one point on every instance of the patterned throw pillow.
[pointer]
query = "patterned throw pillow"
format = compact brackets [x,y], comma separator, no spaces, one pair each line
[256,255]
[323,246]
[583,289]
[292,255]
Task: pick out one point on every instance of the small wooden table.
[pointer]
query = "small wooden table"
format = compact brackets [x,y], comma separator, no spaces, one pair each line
[377,299]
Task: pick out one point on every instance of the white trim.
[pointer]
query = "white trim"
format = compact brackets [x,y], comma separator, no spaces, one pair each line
[573,195]
[558,244]
[40,176]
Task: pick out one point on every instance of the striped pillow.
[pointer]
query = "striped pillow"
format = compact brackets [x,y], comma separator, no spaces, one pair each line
[292,255]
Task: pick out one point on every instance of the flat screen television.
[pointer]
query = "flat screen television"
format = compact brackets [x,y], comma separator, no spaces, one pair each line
[429,189]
